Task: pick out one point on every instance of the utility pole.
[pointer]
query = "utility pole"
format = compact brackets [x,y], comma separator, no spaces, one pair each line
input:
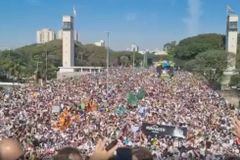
[46,62]
[145,59]
[134,50]
[46,65]
[107,60]
[133,59]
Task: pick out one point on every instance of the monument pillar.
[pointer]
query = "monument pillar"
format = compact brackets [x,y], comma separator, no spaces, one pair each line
[231,47]
[67,44]
[68,48]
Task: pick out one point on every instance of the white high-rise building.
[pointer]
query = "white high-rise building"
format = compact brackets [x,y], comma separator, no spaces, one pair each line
[101,43]
[134,48]
[45,35]
[76,36]
[59,34]
[67,44]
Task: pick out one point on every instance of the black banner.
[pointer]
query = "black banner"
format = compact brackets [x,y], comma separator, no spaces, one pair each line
[163,130]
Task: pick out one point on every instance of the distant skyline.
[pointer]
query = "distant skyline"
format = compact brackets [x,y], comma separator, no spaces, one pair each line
[148,23]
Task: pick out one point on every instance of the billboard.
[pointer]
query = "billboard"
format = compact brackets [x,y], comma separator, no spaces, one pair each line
[164,130]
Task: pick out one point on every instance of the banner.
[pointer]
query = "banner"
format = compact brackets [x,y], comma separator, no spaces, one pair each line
[56,109]
[163,130]
[120,111]
[132,99]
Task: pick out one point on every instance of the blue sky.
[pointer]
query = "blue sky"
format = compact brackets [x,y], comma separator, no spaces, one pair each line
[148,23]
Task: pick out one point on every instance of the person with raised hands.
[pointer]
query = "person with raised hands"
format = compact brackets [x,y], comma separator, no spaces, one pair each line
[236,129]
[101,153]
[10,149]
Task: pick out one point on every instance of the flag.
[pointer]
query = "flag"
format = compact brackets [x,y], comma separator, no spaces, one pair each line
[132,99]
[120,110]
[229,10]
[82,106]
[63,121]
[74,12]
[91,106]
[140,94]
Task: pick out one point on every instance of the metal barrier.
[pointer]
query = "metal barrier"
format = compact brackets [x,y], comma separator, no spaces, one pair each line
[11,84]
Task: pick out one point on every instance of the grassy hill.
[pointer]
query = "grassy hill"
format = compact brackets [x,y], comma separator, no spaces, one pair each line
[29,60]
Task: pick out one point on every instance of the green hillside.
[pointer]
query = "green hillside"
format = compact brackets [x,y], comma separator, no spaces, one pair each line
[204,54]
[26,61]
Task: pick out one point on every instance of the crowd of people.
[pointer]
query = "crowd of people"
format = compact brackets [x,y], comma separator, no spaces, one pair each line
[26,113]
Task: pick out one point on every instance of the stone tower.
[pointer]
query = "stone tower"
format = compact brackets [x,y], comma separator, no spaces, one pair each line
[231,47]
[67,44]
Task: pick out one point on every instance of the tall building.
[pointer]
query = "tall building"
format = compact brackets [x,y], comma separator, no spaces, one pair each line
[134,48]
[101,43]
[76,36]
[59,34]
[45,35]
[67,44]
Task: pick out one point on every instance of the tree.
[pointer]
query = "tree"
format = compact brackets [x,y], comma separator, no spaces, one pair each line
[235,80]
[210,64]
[24,61]
[190,47]
[169,47]
[124,60]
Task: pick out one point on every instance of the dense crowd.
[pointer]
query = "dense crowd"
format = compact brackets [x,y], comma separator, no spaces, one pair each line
[184,100]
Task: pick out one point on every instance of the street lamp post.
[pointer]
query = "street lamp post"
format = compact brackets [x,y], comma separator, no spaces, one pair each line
[46,65]
[46,62]
[133,59]
[107,60]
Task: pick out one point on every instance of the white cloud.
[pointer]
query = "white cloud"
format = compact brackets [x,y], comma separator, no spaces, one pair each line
[194,14]
[131,16]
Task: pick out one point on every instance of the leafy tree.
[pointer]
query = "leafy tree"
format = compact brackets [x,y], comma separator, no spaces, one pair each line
[210,64]
[170,47]
[191,47]
[124,60]
[235,80]
[25,61]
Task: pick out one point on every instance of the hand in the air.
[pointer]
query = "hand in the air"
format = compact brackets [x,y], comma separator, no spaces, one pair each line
[236,129]
[100,152]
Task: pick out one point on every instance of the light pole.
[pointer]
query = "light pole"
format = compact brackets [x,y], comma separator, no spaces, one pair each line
[133,59]
[46,62]
[145,59]
[46,65]
[107,60]
[134,50]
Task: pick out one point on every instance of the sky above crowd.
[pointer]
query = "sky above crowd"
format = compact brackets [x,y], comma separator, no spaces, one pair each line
[148,23]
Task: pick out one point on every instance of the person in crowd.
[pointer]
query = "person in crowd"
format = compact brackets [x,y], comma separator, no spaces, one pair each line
[236,129]
[10,149]
[141,153]
[45,119]
[68,153]
[101,153]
